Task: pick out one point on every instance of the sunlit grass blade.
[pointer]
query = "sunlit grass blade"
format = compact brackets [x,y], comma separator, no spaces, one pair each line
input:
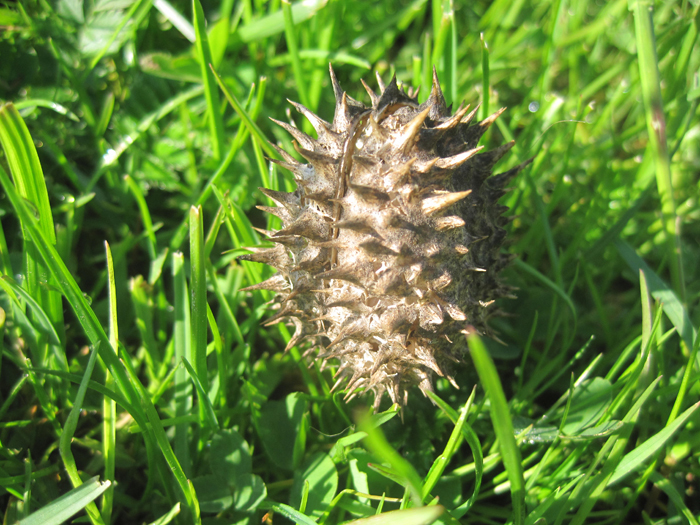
[291,36]
[216,123]
[167,517]
[207,408]
[656,128]
[636,457]
[186,489]
[109,407]
[73,294]
[380,447]
[455,440]
[249,122]
[28,176]
[198,316]
[182,339]
[502,424]
[672,305]
[67,437]
[64,507]
[418,516]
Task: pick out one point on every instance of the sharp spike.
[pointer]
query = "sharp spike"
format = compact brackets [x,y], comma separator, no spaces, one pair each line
[277,283]
[486,123]
[455,312]
[320,125]
[410,132]
[380,82]
[500,180]
[337,384]
[436,100]
[434,204]
[307,227]
[453,120]
[298,334]
[282,198]
[471,115]
[356,225]
[303,139]
[450,163]
[313,156]
[375,247]
[337,90]
[372,95]
[449,223]
[391,99]
[277,211]
[370,194]
[378,395]
[285,156]
[342,273]
[276,257]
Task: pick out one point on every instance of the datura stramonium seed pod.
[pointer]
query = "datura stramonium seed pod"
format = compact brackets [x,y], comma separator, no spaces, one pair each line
[391,244]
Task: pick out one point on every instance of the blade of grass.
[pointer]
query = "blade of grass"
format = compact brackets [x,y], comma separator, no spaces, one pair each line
[216,123]
[207,408]
[145,215]
[23,161]
[178,21]
[250,124]
[672,305]
[453,443]
[109,407]
[502,424]
[182,397]
[675,496]
[380,447]
[198,315]
[639,455]
[67,437]
[156,425]
[656,129]
[291,38]
[62,508]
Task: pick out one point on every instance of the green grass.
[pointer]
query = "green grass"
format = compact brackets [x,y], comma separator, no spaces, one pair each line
[139,385]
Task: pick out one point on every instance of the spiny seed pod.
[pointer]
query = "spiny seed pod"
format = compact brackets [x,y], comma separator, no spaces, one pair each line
[390,246]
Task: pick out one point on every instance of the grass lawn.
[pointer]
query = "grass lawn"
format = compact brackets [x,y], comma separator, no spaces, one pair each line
[139,384]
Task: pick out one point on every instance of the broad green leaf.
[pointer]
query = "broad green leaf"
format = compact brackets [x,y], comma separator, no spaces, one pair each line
[319,471]
[281,427]
[589,402]
[229,455]
[250,492]
[213,493]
